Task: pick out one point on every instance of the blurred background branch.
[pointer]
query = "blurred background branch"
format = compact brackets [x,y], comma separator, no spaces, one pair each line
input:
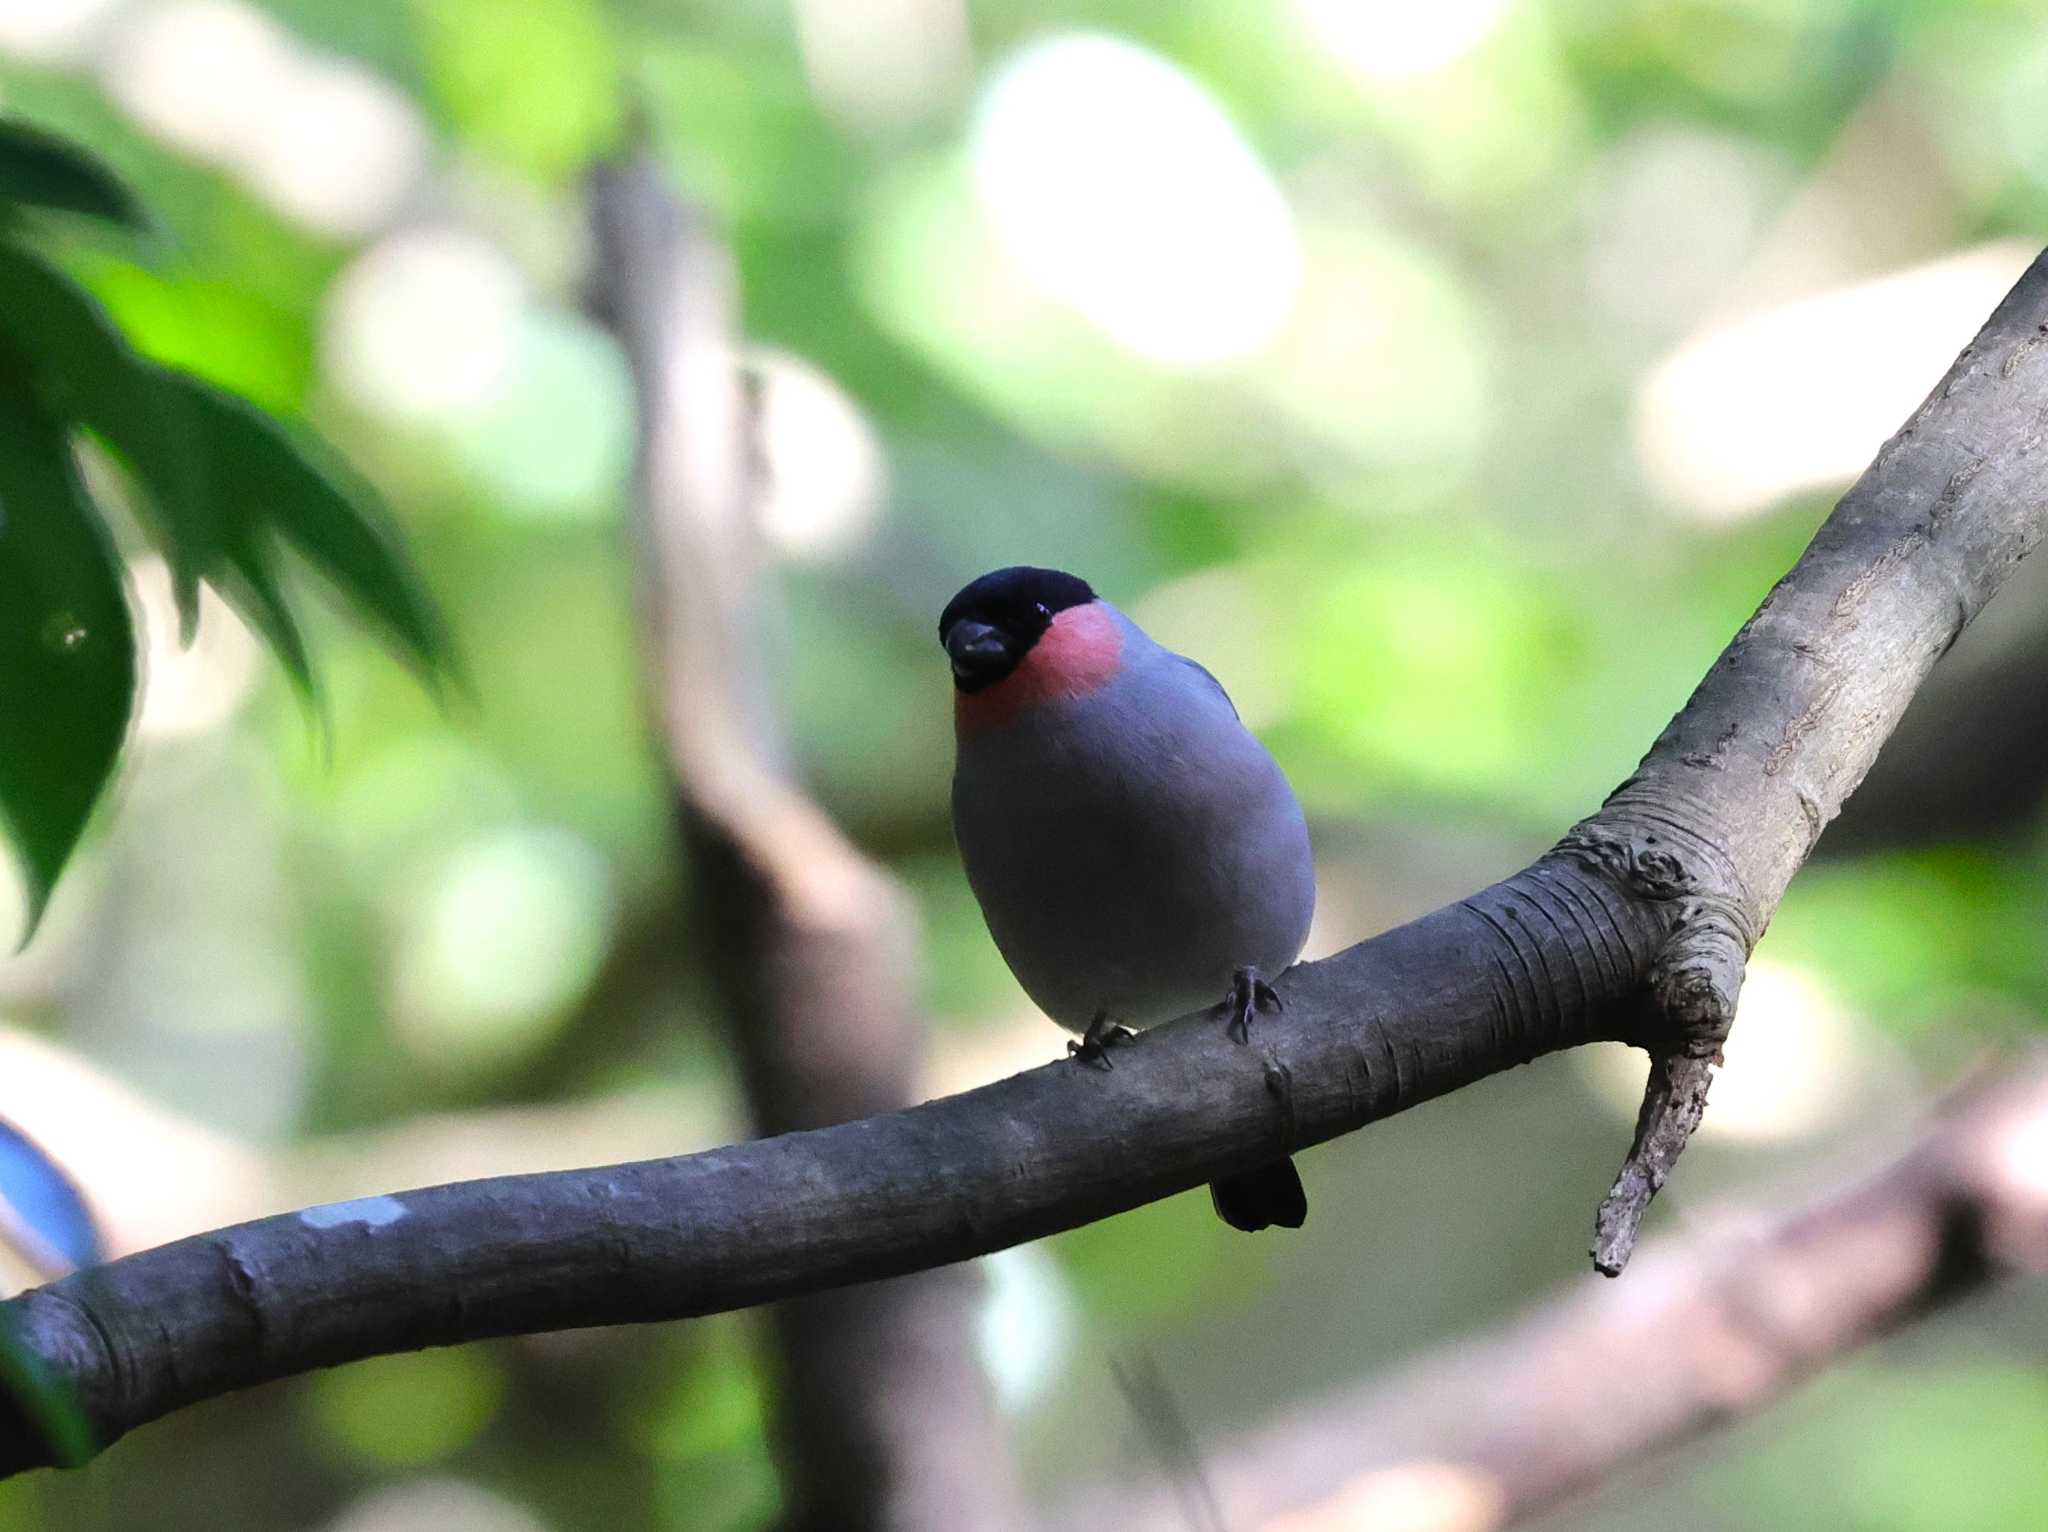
[1710,1327]
[884,1418]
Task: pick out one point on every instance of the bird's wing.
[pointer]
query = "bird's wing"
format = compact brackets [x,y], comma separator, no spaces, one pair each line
[1203,671]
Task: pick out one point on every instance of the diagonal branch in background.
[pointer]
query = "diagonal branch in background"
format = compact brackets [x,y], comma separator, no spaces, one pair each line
[882,1416]
[1713,1326]
[1660,893]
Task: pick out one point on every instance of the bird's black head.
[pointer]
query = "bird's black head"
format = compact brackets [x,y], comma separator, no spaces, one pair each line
[991,625]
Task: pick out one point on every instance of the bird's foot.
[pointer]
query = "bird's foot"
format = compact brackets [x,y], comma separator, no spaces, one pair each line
[1249,994]
[1101,1036]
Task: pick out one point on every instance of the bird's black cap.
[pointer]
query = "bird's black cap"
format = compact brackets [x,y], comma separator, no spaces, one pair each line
[991,625]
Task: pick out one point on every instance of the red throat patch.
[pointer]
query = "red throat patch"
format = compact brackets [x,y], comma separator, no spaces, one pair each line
[1076,654]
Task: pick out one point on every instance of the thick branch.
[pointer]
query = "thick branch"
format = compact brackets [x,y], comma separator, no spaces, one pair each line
[1729,802]
[1666,887]
[883,1419]
[1709,1328]
[1410,1015]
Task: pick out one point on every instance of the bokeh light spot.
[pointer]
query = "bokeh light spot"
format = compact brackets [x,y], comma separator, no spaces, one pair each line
[1385,41]
[510,931]
[340,151]
[53,31]
[423,326]
[1796,1060]
[187,691]
[408,1410]
[1799,397]
[555,440]
[826,477]
[1026,1323]
[201,75]
[446,1505]
[1117,183]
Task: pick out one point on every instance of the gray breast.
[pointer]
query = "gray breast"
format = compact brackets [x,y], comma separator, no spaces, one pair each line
[1132,848]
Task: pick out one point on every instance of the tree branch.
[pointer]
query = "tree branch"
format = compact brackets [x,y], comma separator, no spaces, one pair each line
[1712,1327]
[1730,801]
[1663,890]
[882,1416]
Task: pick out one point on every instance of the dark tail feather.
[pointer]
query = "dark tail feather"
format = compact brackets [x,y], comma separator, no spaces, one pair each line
[1257,1199]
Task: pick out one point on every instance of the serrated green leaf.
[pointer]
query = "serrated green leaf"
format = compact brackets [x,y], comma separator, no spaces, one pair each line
[267,481]
[50,320]
[152,431]
[81,361]
[225,480]
[252,587]
[39,169]
[67,644]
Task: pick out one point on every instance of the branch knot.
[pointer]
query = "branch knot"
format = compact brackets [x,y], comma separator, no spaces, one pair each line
[1697,976]
[1639,861]
[1691,987]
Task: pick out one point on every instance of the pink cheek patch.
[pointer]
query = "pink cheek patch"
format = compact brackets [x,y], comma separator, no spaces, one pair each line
[1075,655]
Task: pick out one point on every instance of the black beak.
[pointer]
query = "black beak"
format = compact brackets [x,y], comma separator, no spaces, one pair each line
[980,653]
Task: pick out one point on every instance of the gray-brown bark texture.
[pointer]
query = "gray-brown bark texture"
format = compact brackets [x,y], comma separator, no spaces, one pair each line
[1729,802]
[882,1418]
[1636,926]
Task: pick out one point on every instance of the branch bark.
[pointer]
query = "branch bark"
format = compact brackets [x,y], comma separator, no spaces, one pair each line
[883,1419]
[1660,894]
[1732,798]
[1713,1326]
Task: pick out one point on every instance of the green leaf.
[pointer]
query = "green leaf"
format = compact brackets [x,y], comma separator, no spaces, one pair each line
[268,482]
[225,480]
[40,169]
[67,645]
[251,585]
[54,323]
[81,361]
[152,430]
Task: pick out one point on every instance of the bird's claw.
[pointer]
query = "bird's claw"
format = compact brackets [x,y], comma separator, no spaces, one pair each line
[1249,994]
[1101,1036]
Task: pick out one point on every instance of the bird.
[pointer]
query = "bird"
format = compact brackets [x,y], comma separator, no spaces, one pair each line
[1135,851]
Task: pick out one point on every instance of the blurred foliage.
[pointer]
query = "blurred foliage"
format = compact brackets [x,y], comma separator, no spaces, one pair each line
[401,1412]
[1412,524]
[41,171]
[1912,1450]
[223,483]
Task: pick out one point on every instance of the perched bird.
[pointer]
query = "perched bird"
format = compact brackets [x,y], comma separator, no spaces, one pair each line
[1136,852]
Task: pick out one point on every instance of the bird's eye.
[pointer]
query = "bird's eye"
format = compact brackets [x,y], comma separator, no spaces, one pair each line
[1041,609]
